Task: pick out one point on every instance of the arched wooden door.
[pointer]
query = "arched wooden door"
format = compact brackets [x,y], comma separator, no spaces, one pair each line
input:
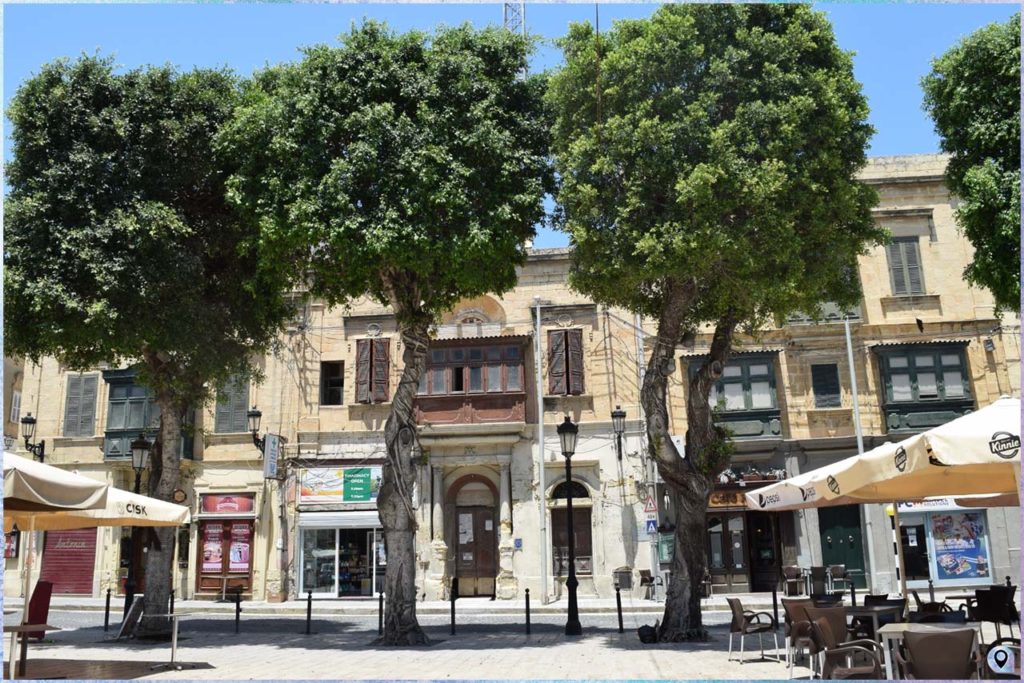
[474,535]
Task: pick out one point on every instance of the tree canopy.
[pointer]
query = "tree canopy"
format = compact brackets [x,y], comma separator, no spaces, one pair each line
[118,236]
[722,148]
[973,95]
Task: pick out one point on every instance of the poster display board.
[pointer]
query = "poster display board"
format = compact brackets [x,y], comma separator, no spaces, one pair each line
[213,544]
[241,548]
[228,504]
[328,485]
[960,549]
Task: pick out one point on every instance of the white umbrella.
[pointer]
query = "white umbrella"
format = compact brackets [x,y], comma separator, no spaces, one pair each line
[122,509]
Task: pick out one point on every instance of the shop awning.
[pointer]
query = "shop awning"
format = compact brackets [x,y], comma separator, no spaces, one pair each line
[350,519]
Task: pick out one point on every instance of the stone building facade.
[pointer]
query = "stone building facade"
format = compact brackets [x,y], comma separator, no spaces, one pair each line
[490,502]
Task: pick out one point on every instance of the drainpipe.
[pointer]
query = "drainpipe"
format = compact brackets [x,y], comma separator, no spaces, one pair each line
[542,492]
[865,518]
[651,468]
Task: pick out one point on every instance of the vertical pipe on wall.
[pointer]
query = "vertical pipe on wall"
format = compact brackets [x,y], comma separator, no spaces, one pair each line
[865,518]
[542,488]
[650,473]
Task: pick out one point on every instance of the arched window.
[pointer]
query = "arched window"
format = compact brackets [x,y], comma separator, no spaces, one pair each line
[562,491]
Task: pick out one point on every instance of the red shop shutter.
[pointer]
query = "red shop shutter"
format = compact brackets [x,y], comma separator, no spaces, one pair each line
[556,362]
[381,368]
[362,371]
[575,338]
[69,558]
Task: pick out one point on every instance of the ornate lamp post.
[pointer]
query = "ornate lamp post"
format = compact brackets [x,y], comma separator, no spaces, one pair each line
[254,416]
[619,427]
[28,430]
[567,433]
[140,456]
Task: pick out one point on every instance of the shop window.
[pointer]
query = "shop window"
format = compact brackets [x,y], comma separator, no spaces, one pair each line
[332,383]
[904,256]
[947,546]
[232,406]
[565,362]
[79,405]
[925,374]
[373,364]
[472,370]
[825,380]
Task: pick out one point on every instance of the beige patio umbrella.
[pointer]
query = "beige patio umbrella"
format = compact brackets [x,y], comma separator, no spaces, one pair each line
[122,508]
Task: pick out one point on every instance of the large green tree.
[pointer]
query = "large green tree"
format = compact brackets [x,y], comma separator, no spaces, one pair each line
[121,247]
[408,168]
[707,158]
[973,95]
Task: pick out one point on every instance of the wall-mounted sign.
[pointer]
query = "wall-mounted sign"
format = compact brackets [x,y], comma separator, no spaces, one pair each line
[272,452]
[233,504]
[930,505]
[340,485]
[11,544]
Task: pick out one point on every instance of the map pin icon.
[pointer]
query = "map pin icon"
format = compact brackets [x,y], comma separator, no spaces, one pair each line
[1001,656]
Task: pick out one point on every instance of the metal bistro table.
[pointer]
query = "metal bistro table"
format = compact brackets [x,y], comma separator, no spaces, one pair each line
[21,632]
[177,616]
[873,612]
[890,634]
[967,598]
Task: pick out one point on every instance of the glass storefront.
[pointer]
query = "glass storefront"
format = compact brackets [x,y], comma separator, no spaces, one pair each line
[342,562]
[944,543]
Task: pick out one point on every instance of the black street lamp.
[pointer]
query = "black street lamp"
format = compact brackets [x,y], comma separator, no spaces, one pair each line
[567,433]
[140,454]
[254,416]
[619,427]
[28,430]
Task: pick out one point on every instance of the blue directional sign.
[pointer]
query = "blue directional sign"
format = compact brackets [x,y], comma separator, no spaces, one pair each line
[652,526]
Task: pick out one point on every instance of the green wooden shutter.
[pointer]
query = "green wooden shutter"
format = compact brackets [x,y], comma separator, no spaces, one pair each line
[894,253]
[575,353]
[224,416]
[87,407]
[73,406]
[556,362]
[381,366]
[240,406]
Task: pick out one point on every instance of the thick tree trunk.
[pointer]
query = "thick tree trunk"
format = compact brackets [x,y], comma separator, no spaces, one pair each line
[394,502]
[164,474]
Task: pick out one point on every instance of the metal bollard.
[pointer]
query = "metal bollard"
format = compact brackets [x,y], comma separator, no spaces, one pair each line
[853,594]
[931,591]
[454,594]
[106,615]
[1008,583]
[618,604]
[238,609]
[309,610]
[380,614]
[527,611]
[171,611]
[775,606]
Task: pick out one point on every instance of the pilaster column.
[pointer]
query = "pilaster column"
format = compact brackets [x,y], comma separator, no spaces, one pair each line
[507,584]
[438,548]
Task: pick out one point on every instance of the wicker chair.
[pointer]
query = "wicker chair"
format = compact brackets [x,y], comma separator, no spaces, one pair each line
[798,629]
[793,577]
[839,660]
[941,655]
[746,623]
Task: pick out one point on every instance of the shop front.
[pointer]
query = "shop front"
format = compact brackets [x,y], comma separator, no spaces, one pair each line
[225,548]
[69,561]
[341,545]
[743,546]
[945,543]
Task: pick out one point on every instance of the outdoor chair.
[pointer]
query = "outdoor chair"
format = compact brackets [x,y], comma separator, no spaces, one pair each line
[827,599]
[837,573]
[995,605]
[1013,644]
[648,581]
[819,580]
[836,618]
[798,629]
[929,607]
[950,617]
[942,655]
[39,607]
[746,623]
[864,628]
[793,577]
[840,660]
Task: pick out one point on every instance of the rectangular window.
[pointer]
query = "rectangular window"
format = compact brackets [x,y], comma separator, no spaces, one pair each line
[15,407]
[825,379]
[80,405]
[565,362]
[486,369]
[373,365]
[934,375]
[747,383]
[904,257]
[332,383]
[232,406]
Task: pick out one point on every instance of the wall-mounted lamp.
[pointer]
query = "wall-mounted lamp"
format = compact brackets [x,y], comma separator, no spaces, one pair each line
[254,416]
[28,430]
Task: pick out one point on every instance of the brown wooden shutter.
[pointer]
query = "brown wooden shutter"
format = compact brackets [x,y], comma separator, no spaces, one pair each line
[362,371]
[87,407]
[381,367]
[575,344]
[73,405]
[556,362]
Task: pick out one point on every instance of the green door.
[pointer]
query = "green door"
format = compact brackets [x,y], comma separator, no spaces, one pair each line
[841,539]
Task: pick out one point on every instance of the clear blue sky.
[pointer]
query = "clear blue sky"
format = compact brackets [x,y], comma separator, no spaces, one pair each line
[894,43]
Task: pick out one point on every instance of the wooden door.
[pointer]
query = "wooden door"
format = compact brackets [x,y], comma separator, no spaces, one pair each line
[728,560]
[764,551]
[476,556]
[225,556]
[841,539]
